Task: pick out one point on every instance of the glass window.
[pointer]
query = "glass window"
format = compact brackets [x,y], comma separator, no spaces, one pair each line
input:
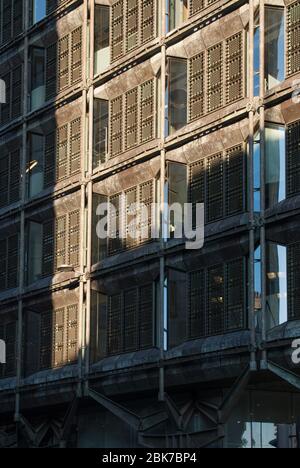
[102,50]
[178,13]
[177,177]
[37,77]
[275,165]
[275,46]
[256,56]
[38,10]
[100,132]
[35,165]
[256,175]
[177,95]
[177,304]
[277,307]
[99,326]
[35,252]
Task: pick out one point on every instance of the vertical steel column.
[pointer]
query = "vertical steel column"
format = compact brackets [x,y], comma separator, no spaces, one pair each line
[162,199]
[262,178]
[22,214]
[251,283]
[89,192]
[81,326]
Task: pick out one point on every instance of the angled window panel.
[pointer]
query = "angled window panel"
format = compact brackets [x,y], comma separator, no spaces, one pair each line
[76,54]
[215,187]
[4,177]
[147,111]
[131,134]
[72,330]
[17,92]
[51,5]
[58,344]
[196,82]
[11,345]
[74,237]
[63,63]
[196,6]
[117,29]
[5,109]
[62,152]
[60,241]
[46,340]
[75,147]
[234,68]
[215,77]
[14,177]
[48,248]
[50,159]
[293,160]
[13,261]
[235,295]
[294,281]
[51,71]
[197,186]
[17,17]
[293,38]
[115,243]
[115,328]
[132,24]
[116,126]
[7,20]
[3,264]
[146,319]
[216,300]
[146,200]
[130,321]
[132,222]
[148,19]
[235,180]
[197,313]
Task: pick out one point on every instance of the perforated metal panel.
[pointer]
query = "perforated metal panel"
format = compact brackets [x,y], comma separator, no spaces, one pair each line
[75,146]
[13,261]
[51,71]
[294,281]
[74,237]
[17,81]
[147,111]
[216,299]
[234,68]
[3,264]
[8,333]
[197,314]
[17,17]
[6,20]
[196,6]
[46,340]
[72,334]
[146,318]
[116,126]
[115,244]
[132,213]
[58,337]
[48,248]
[60,241]
[115,328]
[131,134]
[4,176]
[117,30]
[215,74]
[130,320]
[196,83]
[146,200]
[63,63]
[62,152]
[235,300]
[50,159]
[293,160]
[132,24]
[293,38]
[197,186]
[76,56]
[148,18]
[5,109]
[235,180]
[215,187]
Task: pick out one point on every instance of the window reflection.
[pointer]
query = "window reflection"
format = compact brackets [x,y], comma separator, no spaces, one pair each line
[275,165]
[102,50]
[178,13]
[35,165]
[275,47]
[277,309]
[177,98]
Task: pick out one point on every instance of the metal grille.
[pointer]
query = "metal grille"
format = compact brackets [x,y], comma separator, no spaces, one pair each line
[147,111]
[16,97]
[51,71]
[17,17]
[148,15]
[62,153]
[6,20]
[146,200]
[293,160]
[235,295]
[5,109]
[74,237]
[215,187]
[11,19]
[146,322]
[132,24]
[8,333]
[46,340]
[60,242]
[234,68]
[3,264]
[197,316]
[117,30]
[131,135]
[48,248]
[294,281]
[115,330]
[9,177]
[76,56]
[75,146]
[235,180]
[215,77]
[216,299]
[293,39]
[116,127]
[197,186]
[196,6]
[130,320]
[9,262]
[63,63]
[72,332]
[132,223]
[197,75]
[115,244]
[58,337]
[49,169]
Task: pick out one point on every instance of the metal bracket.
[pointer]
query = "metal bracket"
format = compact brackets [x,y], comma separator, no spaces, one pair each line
[284,374]
[233,395]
